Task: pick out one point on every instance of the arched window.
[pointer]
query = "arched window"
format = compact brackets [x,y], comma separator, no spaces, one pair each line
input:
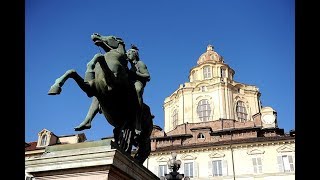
[241,111]
[43,140]
[200,136]
[175,118]
[206,72]
[204,110]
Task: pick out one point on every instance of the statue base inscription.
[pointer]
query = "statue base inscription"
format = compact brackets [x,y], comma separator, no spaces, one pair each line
[84,161]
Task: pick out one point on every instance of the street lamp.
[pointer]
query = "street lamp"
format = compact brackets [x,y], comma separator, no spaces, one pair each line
[174,165]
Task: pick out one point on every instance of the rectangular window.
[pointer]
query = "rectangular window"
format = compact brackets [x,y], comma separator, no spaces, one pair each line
[230,75]
[241,111]
[162,170]
[285,163]
[223,73]
[257,165]
[206,72]
[43,140]
[175,118]
[188,169]
[217,168]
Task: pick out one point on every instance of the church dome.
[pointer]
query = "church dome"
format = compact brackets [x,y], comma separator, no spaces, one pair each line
[210,56]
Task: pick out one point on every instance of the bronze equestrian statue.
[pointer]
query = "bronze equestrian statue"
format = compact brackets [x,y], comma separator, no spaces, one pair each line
[108,83]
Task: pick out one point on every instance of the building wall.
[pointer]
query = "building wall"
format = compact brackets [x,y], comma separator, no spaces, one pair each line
[222,101]
[69,139]
[221,91]
[241,157]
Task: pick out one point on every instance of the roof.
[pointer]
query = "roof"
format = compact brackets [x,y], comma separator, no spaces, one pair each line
[26,144]
[32,146]
[209,56]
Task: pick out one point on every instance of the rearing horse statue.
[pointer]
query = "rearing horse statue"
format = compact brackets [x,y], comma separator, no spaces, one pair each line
[106,82]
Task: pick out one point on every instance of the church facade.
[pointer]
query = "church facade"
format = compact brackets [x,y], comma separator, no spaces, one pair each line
[220,130]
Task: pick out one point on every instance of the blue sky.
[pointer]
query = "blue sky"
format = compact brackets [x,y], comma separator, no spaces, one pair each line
[256,39]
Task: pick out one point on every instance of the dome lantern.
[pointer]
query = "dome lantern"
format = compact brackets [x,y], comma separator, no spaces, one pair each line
[210,55]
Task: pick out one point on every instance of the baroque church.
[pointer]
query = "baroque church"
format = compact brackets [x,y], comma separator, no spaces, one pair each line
[219,129]
[216,126]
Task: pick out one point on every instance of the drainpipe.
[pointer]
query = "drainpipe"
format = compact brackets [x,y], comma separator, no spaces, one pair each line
[234,175]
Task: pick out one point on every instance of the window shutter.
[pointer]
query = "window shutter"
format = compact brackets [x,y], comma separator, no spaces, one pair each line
[156,170]
[259,165]
[254,165]
[259,161]
[191,169]
[254,161]
[291,162]
[280,163]
[166,170]
[210,168]
[224,168]
[186,169]
[195,169]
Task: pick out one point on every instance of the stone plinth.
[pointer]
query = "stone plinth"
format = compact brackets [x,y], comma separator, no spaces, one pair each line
[98,160]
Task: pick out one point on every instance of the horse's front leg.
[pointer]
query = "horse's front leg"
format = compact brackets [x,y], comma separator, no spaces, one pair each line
[90,73]
[56,87]
[93,110]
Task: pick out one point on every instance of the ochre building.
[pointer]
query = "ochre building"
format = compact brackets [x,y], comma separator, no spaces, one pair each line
[219,129]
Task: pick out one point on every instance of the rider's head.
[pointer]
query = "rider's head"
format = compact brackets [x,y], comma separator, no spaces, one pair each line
[133,53]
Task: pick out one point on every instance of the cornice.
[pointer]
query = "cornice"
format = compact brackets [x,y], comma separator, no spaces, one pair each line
[173,136]
[224,145]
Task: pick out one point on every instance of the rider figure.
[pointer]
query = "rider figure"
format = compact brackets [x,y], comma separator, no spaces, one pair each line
[139,75]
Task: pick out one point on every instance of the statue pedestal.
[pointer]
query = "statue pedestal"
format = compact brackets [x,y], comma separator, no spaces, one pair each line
[84,161]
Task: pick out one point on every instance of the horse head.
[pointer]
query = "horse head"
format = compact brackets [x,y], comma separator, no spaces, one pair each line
[108,43]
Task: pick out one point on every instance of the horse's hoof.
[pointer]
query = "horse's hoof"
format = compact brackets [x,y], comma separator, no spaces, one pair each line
[54,90]
[80,128]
